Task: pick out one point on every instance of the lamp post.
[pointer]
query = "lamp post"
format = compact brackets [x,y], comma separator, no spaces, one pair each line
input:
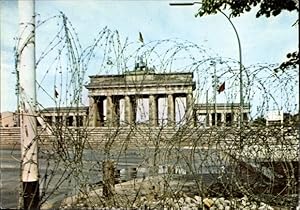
[215,93]
[27,91]
[240,56]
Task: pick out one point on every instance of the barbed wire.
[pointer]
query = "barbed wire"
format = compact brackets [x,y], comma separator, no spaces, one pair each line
[169,165]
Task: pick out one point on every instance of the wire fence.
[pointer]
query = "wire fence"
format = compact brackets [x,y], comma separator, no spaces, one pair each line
[136,165]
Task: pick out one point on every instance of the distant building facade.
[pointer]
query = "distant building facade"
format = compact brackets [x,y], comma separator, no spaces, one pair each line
[8,119]
[274,118]
[221,114]
[141,96]
[65,116]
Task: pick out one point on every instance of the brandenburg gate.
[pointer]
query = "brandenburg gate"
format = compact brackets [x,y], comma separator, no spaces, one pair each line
[107,93]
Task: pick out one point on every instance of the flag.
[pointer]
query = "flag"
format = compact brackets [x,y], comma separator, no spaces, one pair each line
[55,93]
[221,88]
[141,37]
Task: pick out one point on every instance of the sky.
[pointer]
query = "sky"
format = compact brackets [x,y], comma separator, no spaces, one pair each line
[263,40]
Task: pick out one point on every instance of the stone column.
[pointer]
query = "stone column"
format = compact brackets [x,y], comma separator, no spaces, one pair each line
[171,110]
[100,107]
[53,118]
[64,120]
[153,110]
[223,118]
[116,111]
[75,119]
[95,113]
[133,109]
[109,110]
[93,109]
[189,109]
[209,120]
[234,119]
[128,110]
[84,120]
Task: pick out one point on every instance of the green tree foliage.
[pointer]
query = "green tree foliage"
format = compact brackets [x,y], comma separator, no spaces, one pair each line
[292,62]
[237,7]
[266,8]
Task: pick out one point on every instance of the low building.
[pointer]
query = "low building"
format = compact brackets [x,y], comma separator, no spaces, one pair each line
[8,119]
[66,116]
[221,114]
[274,118]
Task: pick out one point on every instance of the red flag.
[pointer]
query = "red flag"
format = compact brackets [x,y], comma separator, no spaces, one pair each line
[221,88]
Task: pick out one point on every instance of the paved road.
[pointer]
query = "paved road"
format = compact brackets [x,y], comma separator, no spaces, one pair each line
[90,171]
[10,177]
[64,180]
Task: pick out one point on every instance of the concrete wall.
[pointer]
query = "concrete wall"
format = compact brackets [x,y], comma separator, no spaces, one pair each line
[144,136]
[10,137]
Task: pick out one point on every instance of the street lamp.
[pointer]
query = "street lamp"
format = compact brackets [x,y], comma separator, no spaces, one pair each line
[240,55]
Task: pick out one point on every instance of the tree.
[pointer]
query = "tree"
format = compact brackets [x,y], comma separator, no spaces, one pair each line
[237,7]
[266,7]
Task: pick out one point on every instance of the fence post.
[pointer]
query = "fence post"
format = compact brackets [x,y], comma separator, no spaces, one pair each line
[108,178]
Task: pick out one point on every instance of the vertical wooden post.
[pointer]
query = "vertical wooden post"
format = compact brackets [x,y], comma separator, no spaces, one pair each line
[108,178]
